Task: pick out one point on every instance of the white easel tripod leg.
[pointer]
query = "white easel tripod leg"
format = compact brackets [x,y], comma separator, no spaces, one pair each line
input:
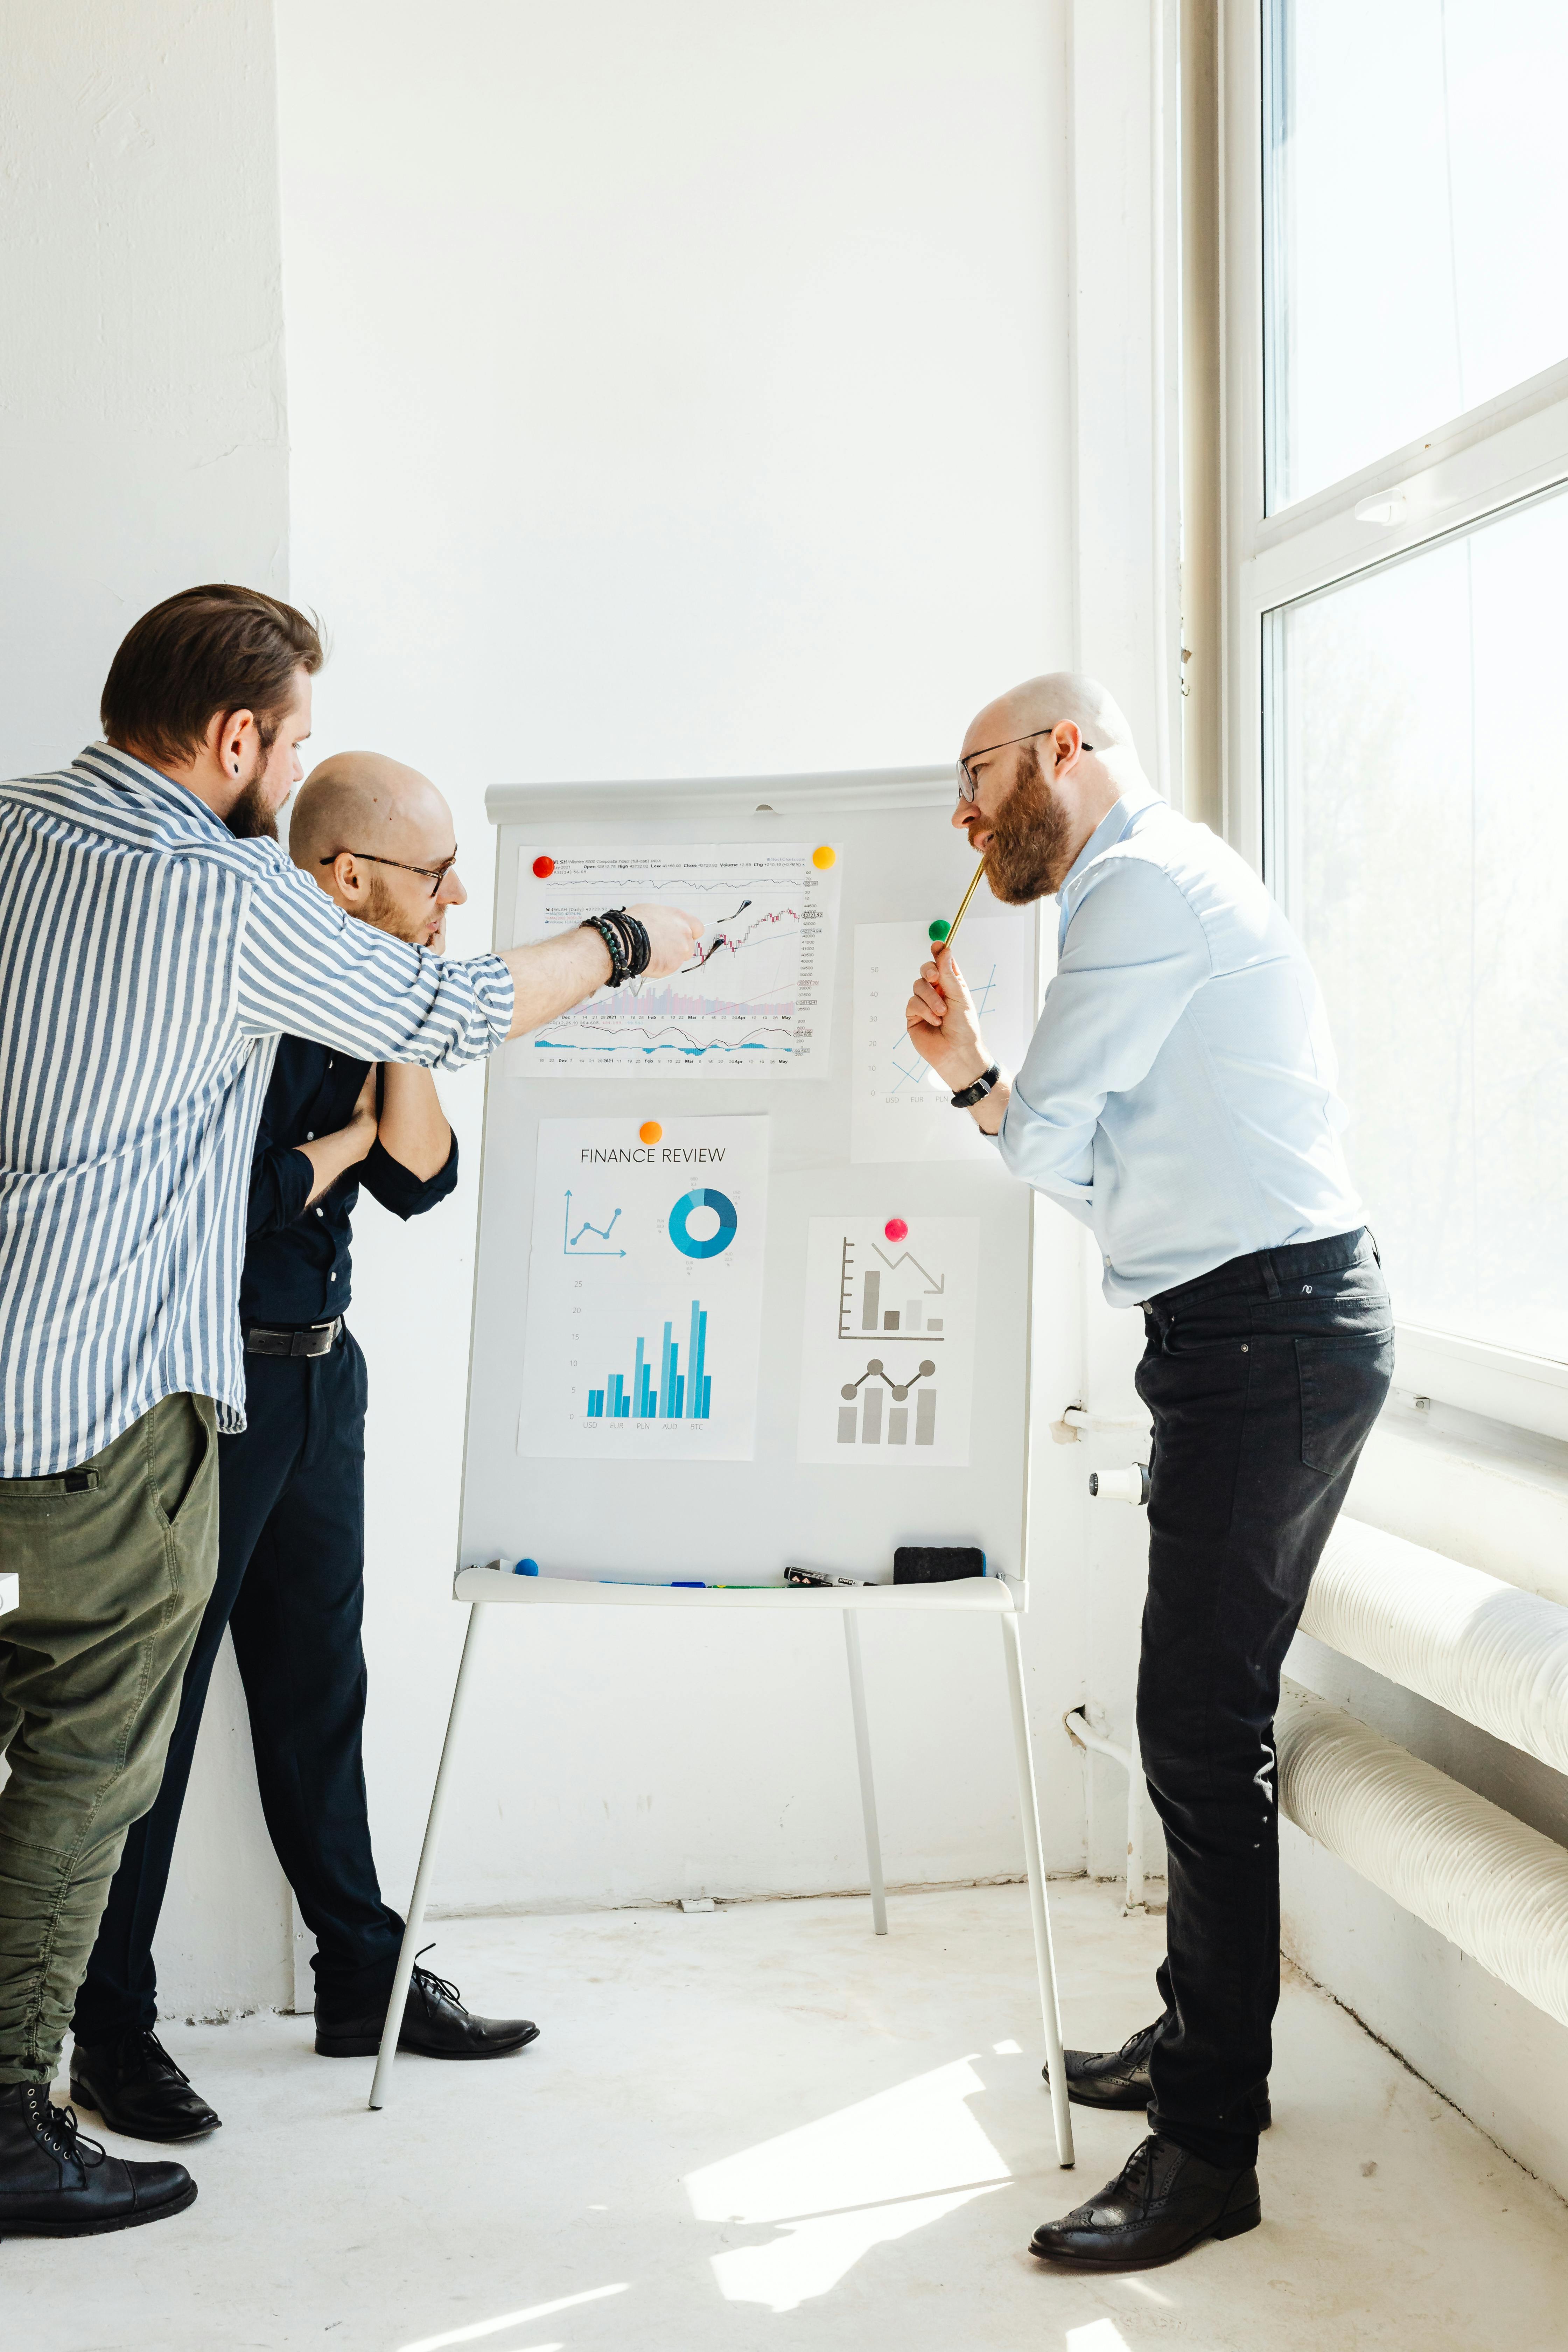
[1045,1960]
[867,1786]
[411,1934]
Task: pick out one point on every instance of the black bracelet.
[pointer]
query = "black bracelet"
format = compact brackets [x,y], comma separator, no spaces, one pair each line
[639,951]
[617,953]
[982,1087]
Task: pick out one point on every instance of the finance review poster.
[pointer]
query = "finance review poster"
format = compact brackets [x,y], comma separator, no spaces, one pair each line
[645,1290]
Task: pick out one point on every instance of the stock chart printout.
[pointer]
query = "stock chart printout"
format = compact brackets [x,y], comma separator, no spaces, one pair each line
[644,1291]
[887,1342]
[901,1109]
[756,999]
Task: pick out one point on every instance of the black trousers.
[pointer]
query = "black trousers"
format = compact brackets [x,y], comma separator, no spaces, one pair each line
[290,1583]
[1263,1378]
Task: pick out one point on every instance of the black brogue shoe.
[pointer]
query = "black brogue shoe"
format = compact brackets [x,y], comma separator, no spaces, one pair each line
[1120,2078]
[57,2183]
[1163,2202]
[136,2087]
[435,2025]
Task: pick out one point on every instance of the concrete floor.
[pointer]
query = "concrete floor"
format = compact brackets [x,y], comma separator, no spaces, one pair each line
[761,2128]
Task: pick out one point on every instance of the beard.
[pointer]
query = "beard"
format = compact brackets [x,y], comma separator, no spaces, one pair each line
[250,818]
[1028,857]
[382,909]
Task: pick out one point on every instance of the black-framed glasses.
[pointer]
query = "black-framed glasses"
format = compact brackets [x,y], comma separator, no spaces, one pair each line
[433,874]
[969,784]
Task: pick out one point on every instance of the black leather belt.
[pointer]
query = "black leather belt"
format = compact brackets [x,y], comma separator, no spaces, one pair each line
[268,1340]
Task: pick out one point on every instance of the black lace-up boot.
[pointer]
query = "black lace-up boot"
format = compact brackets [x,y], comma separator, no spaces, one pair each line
[1120,2078]
[1163,2202]
[56,2183]
[435,2023]
[136,2087]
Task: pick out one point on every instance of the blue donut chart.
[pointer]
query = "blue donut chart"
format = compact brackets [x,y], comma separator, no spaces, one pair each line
[704,1197]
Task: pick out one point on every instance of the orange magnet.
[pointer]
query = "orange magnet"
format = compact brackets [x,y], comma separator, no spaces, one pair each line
[650,1131]
[824,857]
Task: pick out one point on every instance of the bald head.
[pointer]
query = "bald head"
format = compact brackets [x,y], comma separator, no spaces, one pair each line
[1042,702]
[1041,766]
[378,838]
[357,801]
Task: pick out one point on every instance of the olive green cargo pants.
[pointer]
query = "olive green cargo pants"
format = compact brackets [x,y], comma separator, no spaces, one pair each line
[116,1558]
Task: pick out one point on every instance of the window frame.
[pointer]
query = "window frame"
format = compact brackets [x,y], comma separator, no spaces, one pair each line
[1498,454]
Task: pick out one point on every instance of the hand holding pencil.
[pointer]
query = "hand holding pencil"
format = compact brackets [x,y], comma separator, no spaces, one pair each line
[944,1026]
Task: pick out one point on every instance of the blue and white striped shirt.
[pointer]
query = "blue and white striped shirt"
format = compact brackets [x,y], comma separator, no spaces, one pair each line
[148,962]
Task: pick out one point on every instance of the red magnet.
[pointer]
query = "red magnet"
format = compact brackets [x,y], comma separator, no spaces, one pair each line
[544,868]
[895,1229]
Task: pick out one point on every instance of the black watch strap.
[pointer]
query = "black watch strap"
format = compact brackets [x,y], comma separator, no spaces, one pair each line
[979,1091]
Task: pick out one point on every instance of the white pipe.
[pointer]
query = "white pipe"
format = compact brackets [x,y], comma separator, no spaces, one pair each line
[1078,1416]
[1478,1646]
[1077,1726]
[1128,1485]
[1495,1889]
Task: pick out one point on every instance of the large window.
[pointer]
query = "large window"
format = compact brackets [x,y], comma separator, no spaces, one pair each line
[1397,643]
[1416,200]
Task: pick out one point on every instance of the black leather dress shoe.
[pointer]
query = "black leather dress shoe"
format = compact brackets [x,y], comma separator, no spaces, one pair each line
[54,2183]
[1120,2078]
[1163,2202]
[136,2087]
[435,2023]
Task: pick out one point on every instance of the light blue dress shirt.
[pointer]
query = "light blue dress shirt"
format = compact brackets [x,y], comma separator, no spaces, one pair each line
[1178,1095]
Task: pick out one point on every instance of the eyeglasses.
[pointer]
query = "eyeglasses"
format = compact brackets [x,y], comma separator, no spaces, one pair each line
[433,874]
[968,784]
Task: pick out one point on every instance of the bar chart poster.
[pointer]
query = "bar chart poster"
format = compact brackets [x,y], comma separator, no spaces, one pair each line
[887,1342]
[901,1109]
[754,1001]
[645,1290]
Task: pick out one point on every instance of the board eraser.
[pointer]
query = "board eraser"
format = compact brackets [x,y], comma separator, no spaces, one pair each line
[936,1563]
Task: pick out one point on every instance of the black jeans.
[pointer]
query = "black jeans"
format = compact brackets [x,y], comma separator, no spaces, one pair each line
[1263,1378]
[290,1582]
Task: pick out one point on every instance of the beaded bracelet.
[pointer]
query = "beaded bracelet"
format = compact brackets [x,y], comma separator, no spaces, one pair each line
[630,950]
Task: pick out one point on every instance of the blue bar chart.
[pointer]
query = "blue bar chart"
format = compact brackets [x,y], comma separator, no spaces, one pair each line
[677,1395]
[644,1317]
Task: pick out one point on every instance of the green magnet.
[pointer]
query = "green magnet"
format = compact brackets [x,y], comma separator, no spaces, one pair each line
[938,930]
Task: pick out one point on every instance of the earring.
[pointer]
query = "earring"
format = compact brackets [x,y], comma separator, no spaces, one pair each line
[237,767]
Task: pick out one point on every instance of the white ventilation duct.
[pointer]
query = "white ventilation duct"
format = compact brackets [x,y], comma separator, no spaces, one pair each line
[1494,1887]
[1475,1645]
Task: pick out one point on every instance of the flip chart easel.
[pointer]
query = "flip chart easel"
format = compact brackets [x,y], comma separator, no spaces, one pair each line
[898,861]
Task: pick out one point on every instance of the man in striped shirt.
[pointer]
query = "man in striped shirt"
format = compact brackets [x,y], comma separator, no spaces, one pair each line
[154,942]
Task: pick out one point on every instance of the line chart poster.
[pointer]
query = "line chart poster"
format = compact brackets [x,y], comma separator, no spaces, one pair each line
[899,1108]
[756,999]
[644,1291]
[886,1365]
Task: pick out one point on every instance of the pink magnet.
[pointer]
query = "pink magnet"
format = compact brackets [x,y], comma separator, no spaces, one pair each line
[895,1229]
[544,868]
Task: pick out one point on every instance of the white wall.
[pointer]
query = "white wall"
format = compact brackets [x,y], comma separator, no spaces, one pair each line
[143,448]
[696,389]
[681,391]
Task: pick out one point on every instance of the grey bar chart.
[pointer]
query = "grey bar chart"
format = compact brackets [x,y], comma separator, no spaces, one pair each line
[860,1414]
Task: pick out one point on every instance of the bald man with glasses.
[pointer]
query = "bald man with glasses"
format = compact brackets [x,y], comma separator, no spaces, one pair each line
[291,1503]
[1178,1098]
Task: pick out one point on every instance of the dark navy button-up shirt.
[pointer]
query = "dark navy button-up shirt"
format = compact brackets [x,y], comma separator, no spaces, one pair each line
[297,1264]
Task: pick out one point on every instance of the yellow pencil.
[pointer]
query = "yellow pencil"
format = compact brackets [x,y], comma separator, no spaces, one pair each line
[942,935]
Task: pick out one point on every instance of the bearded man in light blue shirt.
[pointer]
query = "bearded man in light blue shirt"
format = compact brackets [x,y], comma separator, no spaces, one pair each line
[1178,1098]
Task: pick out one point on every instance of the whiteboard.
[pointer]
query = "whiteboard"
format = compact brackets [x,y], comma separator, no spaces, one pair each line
[899,859]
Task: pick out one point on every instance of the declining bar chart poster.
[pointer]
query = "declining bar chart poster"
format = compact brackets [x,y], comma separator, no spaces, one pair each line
[756,999]
[887,1342]
[899,1109]
[644,1291]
